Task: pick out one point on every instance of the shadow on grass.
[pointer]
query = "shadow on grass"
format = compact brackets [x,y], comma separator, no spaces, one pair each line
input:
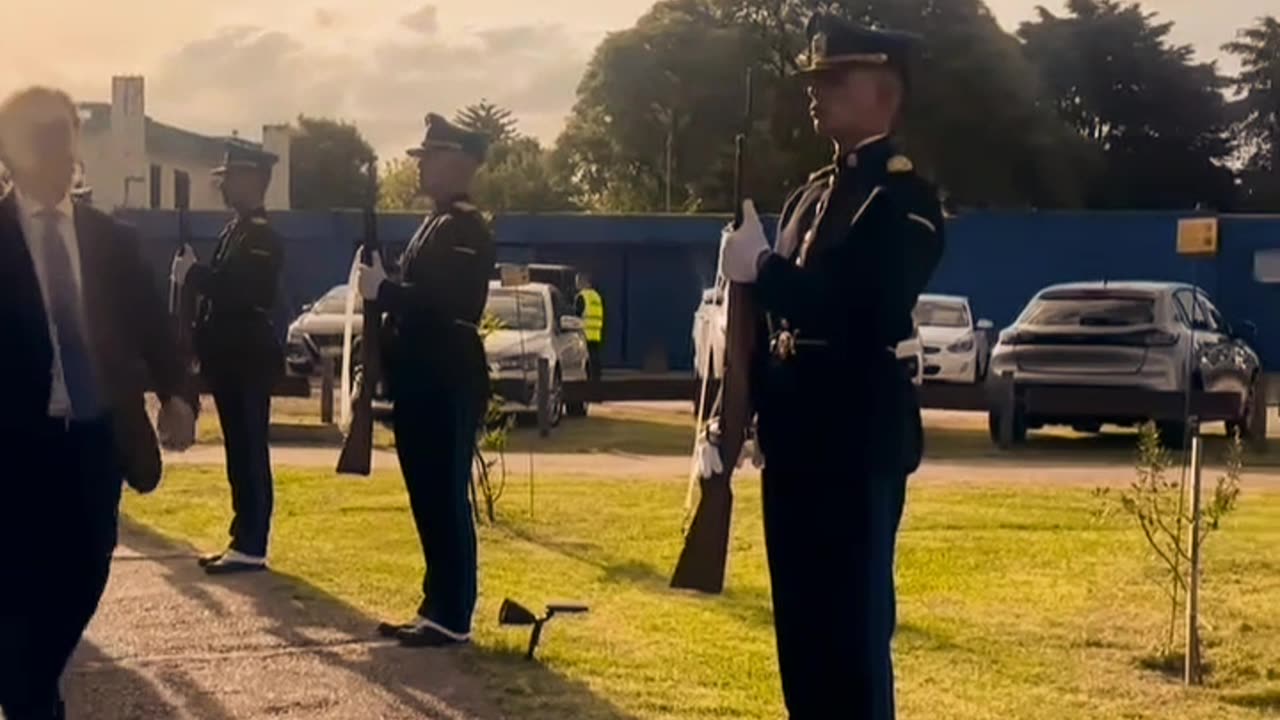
[1170,664]
[751,606]
[636,436]
[1050,448]
[470,682]
[1263,700]
[611,570]
[99,687]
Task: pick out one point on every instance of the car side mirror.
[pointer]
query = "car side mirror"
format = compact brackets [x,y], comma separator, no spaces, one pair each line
[986,325]
[571,323]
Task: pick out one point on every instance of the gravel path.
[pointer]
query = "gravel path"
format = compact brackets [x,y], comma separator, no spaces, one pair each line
[169,643]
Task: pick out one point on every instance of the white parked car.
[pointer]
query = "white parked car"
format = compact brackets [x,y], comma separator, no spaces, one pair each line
[956,349]
[534,322]
[709,324]
[318,331]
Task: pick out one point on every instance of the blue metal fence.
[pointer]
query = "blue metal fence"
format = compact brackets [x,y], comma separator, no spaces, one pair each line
[651,269]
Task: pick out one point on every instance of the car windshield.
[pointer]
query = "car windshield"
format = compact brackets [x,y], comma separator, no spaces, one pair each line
[932,313]
[517,309]
[1091,311]
[334,302]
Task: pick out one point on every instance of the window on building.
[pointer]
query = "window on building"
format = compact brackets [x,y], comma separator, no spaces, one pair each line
[156,187]
[181,189]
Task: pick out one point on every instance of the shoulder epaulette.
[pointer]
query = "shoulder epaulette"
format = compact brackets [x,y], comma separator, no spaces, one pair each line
[465,207]
[259,220]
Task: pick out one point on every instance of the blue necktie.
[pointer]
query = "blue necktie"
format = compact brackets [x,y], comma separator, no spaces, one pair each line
[65,311]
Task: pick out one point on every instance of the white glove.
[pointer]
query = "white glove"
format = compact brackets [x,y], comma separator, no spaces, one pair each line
[707,452]
[176,425]
[182,265]
[741,249]
[369,278]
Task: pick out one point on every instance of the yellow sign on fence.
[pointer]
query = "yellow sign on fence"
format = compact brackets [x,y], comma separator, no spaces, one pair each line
[1198,236]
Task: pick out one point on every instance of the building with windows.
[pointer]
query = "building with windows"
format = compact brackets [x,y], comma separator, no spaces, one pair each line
[133,161]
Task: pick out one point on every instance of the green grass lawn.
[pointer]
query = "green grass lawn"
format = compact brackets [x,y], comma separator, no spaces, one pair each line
[1015,603]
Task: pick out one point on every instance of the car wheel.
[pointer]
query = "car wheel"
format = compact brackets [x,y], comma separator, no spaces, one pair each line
[996,420]
[1244,425]
[556,400]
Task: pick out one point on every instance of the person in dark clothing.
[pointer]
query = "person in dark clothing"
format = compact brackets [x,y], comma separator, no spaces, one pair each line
[241,357]
[438,377]
[86,334]
[839,419]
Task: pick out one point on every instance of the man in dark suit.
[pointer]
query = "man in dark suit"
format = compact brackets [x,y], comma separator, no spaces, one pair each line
[85,332]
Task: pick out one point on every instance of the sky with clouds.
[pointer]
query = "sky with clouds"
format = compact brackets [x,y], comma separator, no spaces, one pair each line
[237,64]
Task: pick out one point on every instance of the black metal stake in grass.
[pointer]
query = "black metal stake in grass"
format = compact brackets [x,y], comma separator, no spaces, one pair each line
[513,613]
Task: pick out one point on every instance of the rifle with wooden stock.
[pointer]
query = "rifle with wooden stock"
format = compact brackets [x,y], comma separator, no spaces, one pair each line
[357,449]
[702,563]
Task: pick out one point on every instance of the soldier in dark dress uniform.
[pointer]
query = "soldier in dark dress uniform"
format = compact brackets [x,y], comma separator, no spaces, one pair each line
[438,377]
[240,355]
[839,419]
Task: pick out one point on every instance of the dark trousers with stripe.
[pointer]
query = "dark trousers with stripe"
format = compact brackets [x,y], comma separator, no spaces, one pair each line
[830,531]
[58,524]
[244,411]
[435,441]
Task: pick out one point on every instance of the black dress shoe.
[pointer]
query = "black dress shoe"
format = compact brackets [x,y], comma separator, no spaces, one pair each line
[429,636]
[222,567]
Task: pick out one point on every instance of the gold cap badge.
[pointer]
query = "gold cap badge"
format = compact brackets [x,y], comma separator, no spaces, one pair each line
[901,164]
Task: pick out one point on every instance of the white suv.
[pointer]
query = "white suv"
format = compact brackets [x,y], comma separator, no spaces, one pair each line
[709,321]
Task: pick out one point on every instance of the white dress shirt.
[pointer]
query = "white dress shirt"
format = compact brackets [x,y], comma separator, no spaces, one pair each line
[33,229]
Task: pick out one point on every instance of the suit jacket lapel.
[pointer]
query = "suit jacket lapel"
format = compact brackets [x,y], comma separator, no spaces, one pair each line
[22,311]
[18,280]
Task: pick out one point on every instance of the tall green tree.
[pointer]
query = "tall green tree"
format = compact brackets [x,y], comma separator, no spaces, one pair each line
[497,123]
[327,165]
[975,121]
[398,186]
[1258,83]
[656,113]
[1160,119]
[518,177]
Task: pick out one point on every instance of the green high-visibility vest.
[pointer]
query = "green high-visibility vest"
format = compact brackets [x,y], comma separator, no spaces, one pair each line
[593,315]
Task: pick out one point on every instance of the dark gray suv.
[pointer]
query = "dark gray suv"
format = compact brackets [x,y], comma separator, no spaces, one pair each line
[1152,335]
